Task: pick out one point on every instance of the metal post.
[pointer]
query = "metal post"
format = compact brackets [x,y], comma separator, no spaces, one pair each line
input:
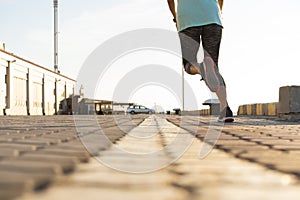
[43,95]
[55,3]
[65,90]
[28,96]
[7,81]
[182,89]
[8,84]
[55,96]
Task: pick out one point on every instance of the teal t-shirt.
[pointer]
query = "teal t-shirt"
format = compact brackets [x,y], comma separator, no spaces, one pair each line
[197,13]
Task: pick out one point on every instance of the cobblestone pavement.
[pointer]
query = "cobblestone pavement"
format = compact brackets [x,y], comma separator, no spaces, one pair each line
[44,158]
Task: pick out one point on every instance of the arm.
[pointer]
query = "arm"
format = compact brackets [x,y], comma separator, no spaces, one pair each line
[220,4]
[171,4]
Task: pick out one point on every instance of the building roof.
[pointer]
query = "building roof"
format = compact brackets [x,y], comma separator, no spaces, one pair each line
[211,101]
[44,68]
[93,101]
[122,104]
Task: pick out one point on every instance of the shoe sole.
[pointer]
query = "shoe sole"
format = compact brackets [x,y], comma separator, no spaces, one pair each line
[211,79]
[226,120]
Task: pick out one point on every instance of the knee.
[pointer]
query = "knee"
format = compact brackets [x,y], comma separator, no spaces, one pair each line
[187,68]
[191,69]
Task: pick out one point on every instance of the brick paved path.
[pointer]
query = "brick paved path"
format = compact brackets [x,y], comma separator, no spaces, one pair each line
[252,159]
[35,150]
[272,144]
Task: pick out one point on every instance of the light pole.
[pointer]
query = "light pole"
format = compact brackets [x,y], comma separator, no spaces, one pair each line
[182,89]
[55,4]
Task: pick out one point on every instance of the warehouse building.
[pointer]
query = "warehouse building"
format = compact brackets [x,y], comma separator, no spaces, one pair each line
[27,88]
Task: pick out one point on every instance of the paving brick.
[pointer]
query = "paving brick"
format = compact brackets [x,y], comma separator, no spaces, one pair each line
[8,152]
[264,139]
[269,155]
[75,145]
[234,143]
[35,143]
[13,136]
[55,138]
[31,181]
[228,137]
[67,163]
[5,138]
[30,167]
[45,140]
[274,142]
[256,148]
[81,154]
[286,147]
[95,143]
[20,147]
[12,189]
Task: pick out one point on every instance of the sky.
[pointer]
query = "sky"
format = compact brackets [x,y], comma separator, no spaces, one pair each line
[259,51]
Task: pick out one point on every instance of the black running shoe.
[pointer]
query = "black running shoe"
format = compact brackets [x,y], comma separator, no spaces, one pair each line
[226,115]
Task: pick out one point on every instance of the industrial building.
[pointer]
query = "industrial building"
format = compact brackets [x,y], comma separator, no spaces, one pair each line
[27,88]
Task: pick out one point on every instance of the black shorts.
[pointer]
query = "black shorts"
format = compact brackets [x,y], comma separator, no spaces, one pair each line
[210,37]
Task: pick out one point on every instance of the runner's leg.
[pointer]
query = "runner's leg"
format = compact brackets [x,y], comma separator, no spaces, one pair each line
[190,43]
[211,40]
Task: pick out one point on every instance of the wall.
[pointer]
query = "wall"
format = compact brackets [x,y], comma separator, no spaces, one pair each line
[259,109]
[30,89]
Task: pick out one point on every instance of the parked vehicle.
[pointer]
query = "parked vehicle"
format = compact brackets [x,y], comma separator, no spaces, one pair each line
[139,109]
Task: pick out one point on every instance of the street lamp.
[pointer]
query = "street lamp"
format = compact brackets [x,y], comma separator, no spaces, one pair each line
[55,4]
[182,89]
